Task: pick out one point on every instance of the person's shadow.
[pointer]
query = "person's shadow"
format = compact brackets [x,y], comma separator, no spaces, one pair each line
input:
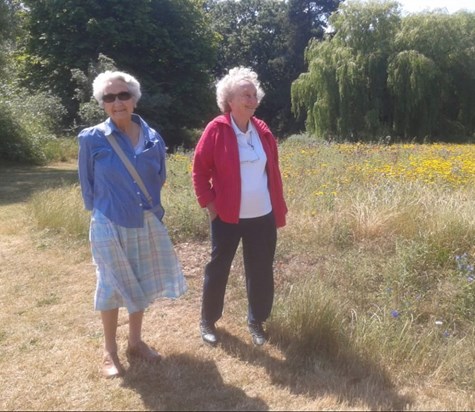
[172,385]
[363,381]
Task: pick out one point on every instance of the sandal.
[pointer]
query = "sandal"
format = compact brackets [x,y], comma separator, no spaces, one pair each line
[111,367]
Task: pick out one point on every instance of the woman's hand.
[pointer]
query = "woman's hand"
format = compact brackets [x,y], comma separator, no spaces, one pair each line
[211,211]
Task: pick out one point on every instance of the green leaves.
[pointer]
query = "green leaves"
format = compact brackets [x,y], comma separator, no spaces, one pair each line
[381,74]
[166,44]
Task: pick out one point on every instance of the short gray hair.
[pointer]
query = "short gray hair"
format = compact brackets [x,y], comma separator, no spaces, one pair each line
[225,87]
[103,79]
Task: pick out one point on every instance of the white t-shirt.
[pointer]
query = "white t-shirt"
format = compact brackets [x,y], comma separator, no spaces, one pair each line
[255,197]
[139,147]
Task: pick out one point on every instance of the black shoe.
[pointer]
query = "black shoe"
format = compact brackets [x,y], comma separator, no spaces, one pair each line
[257,333]
[208,333]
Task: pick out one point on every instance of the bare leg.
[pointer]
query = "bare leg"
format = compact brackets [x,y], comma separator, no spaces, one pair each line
[135,328]
[109,323]
[137,348]
[111,366]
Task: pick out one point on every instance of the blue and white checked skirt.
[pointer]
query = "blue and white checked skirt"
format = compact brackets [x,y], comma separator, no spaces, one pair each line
[134,266]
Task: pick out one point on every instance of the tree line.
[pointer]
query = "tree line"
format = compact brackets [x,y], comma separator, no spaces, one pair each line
[176,48]
[343,70]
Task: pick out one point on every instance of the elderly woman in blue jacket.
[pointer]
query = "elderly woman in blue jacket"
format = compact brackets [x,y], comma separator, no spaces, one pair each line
[134,257]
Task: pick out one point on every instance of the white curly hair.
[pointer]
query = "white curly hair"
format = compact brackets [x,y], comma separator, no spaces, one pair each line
[226,86]
[103,79]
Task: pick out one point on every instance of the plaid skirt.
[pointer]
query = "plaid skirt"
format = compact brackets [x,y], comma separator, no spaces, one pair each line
[134,266]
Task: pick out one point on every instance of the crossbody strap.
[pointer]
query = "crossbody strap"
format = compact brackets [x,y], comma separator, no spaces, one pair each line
[129,166]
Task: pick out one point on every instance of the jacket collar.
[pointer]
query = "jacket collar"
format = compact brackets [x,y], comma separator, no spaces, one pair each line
[226,119]
[109,126]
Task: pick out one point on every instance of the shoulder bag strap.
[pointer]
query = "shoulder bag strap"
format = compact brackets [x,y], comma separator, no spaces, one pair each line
[129,166]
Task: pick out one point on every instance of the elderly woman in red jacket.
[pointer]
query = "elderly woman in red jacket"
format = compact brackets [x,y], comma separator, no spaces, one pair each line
[236,177]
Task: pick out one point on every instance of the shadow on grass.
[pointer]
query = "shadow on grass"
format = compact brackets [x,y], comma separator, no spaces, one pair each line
[183,382]
[317,377]
[18,183]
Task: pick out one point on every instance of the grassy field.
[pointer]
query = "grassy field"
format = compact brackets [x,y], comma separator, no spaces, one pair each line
[375,292]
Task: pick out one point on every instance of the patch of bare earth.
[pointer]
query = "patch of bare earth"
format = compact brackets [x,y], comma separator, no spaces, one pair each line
[51,339]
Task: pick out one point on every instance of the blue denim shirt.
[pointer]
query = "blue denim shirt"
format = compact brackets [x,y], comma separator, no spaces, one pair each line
[105,182]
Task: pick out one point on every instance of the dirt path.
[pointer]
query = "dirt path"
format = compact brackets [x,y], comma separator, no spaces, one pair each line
[51,340]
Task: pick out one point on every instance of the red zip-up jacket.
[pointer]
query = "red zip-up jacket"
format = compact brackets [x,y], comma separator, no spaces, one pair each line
[216,169]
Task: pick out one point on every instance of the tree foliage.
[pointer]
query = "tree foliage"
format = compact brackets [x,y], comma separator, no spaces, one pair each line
[8,28]
[252,35]
[176,48]
[269,36]
[344,91]
[432,75]
[306,20]
[166,44]
[375,74]
[409,77]
[29,120]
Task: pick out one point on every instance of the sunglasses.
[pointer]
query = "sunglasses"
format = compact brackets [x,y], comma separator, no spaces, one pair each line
[110,98]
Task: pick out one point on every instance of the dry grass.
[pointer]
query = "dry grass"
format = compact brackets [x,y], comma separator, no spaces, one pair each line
[51,340]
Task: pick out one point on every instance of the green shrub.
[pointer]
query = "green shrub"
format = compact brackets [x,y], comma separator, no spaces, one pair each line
[29,122]
[16,144]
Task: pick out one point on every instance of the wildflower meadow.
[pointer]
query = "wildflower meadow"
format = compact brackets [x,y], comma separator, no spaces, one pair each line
[375,267]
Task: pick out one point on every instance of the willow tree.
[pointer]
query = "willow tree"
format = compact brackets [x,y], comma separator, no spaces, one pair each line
[344,92]
[414,81]
[410,77]
[432,76]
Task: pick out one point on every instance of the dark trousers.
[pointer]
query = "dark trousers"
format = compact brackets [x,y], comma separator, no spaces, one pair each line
[259,237]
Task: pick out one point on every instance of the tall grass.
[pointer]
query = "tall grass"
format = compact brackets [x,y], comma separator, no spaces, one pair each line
[376,265]
[387,227]
[184,218]
[61,210]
